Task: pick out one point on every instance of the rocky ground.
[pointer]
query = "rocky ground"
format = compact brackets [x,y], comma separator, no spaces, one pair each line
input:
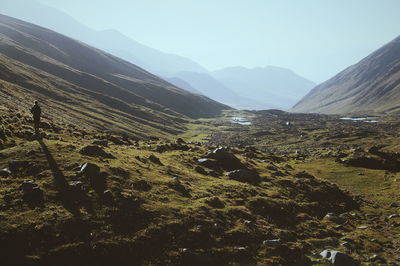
[286,190]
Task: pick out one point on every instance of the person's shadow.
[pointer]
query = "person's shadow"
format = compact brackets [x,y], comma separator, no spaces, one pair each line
[66,196]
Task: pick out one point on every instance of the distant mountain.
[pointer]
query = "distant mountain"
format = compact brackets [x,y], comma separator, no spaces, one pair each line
[371,85]
[208,85]
[270,85]
[81,84]
[213,88]
[112,41]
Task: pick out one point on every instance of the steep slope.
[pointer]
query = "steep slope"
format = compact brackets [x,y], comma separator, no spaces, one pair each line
[372,85]
[112,41]
[80,83]
[180,83]
[271,85]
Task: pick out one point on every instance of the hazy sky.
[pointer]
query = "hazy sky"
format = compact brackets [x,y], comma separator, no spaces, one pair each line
[315,38]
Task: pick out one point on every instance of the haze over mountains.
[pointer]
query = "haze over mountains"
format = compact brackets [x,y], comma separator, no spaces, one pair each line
[257,93]
[265,84]
[82,84]
[371,85]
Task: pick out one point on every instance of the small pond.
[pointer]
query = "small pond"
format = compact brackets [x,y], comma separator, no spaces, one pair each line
[363,119]
[241,121]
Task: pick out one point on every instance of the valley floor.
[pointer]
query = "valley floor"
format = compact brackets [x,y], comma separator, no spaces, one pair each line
[287,187]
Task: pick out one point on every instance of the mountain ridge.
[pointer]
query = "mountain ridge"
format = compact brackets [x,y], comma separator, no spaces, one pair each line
[371,85]
[59,69]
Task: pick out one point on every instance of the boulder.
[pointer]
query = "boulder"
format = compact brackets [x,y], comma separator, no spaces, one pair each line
[31,192]
[28,185]
[304,174]
[119,171]
[177,186]
[339,258]
[155,159]
[76,187]
[215,202]
[226,159]
[95,151]
[377,258]
[242,175]
[209,163]
[334,218]
[89,169]
[5,172]
[272,242]
[200,170]
[101,142]
[180,141]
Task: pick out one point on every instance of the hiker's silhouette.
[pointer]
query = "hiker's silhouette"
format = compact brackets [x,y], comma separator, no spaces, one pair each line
[36,112]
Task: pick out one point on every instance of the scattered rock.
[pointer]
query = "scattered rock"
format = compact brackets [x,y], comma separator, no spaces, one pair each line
[31,192]
[89,169]
[76,186]
[242,175]
[377,258]
[346,245]
[209,163]
[226,159]
[339,258]
[272,242]
[215,202]
[28,185]
[101,142]
[116,140]
[96,151]
[119,171]
[304,174]
[155,159]
[389,217]
[200,170]
[212,173]
[334,218]
[180,141]
[5,172]
[177,185]
[362,227]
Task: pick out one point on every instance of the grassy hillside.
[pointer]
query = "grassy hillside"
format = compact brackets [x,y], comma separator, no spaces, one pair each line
[370,86]
[155,202]
[81,84]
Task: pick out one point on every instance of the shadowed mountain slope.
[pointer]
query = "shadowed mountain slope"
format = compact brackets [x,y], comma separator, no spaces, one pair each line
[372,85]
[274,86]
[81,83]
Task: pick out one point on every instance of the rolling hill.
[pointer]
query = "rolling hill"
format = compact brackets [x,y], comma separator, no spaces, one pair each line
[372,85]
[270,85]
[78,83]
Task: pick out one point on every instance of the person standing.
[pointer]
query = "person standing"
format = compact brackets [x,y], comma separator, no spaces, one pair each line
[36,112]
